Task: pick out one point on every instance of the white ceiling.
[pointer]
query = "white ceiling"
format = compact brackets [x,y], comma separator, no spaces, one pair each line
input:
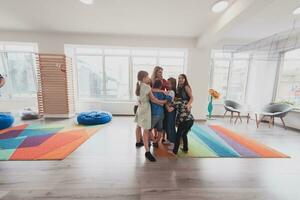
[187,18]
[184,18]
[275,17]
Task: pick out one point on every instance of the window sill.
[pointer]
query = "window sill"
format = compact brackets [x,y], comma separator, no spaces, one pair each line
[17,98]
[104,101]
[296,110]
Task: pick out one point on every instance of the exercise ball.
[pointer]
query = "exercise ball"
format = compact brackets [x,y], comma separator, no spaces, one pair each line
[6,120]
[94,118]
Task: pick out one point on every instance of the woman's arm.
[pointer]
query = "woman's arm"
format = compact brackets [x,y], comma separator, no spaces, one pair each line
[190,94]
[158,90]
[153,99]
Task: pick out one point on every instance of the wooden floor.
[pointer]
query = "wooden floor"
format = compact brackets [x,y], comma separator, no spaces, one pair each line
[108,166]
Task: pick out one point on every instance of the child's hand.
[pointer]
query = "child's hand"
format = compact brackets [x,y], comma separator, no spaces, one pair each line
[164,102]
[170,109]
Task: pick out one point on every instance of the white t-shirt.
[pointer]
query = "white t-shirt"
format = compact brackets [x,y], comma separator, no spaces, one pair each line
[171,93]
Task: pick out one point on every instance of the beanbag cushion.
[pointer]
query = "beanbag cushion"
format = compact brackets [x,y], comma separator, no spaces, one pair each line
[94,118]
[6,120]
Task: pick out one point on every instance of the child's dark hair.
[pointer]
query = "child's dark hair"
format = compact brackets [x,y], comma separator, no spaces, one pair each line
[157,84]
[140,76]
[173,83]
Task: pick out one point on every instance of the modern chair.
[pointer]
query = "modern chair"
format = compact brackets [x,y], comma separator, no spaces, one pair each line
[233,107]
[278,110]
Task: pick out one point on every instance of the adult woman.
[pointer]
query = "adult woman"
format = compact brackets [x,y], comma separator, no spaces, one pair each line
[184,91]
[184,119]
[158,74]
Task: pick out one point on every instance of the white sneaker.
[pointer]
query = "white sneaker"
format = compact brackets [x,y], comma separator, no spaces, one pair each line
[167,142]
[171,146]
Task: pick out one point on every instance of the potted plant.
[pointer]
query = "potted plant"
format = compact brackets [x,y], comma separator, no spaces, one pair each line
[213,94]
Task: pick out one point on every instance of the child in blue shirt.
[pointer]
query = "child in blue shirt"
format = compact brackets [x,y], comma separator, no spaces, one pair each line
[157,111]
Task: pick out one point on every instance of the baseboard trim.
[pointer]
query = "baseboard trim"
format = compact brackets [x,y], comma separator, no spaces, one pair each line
[64,116]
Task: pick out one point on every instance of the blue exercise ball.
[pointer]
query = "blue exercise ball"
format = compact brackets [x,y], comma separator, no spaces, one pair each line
[6,120]
[94,118]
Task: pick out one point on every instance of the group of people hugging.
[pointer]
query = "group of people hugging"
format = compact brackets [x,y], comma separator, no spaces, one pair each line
[163,112]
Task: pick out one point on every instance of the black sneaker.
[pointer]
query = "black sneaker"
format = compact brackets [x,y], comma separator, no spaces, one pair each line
[150,157]
[139,144]
[184,150]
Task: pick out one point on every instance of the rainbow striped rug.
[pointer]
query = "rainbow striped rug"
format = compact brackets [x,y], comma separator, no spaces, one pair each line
[215,141]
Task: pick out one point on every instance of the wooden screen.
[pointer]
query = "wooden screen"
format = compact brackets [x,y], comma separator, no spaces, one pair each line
[55,86]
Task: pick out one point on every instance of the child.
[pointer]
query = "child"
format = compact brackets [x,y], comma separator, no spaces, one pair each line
[143,115]
[157,111]
[138,130]
[171,115]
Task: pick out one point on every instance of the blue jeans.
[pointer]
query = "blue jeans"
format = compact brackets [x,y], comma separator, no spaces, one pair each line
[170,126]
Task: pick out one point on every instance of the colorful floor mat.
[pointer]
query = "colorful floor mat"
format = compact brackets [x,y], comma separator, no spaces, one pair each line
[215,141]
[42,142]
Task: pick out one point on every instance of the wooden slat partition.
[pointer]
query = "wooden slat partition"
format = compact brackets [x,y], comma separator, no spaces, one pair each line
[55,86]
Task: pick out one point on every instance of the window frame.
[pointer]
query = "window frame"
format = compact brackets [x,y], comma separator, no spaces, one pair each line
[130,56]
[278,77]
[5,52]
[230,59]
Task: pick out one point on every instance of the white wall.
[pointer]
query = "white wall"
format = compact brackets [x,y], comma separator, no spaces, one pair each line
[198,73]
[198,62]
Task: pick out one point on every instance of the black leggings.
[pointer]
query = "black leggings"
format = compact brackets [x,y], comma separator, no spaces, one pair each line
[182,131]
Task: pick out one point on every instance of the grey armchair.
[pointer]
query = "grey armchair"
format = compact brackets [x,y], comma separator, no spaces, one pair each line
[278,110]
[233,107]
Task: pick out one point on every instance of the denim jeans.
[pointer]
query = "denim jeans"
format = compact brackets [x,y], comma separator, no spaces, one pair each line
[182,131]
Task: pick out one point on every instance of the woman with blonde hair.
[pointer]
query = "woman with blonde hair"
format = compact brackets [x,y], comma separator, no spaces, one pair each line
[158,75]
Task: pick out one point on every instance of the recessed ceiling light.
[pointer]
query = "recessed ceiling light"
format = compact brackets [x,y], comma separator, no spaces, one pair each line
[88,2]
[219,6]
[296,11]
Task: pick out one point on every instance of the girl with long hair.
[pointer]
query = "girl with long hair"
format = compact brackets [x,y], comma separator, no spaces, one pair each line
[171,114]
[143,115]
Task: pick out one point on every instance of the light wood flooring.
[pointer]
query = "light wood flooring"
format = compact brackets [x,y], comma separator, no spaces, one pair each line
[108,166]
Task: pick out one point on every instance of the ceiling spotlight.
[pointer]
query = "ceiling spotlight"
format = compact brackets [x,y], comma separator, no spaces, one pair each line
[87,2]
[219,6]
[296,11]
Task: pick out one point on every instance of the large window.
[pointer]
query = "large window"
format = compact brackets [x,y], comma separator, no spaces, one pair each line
[90,68]
[17,65]
[111,73]
[117,77]
[289,81]
[229,72]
